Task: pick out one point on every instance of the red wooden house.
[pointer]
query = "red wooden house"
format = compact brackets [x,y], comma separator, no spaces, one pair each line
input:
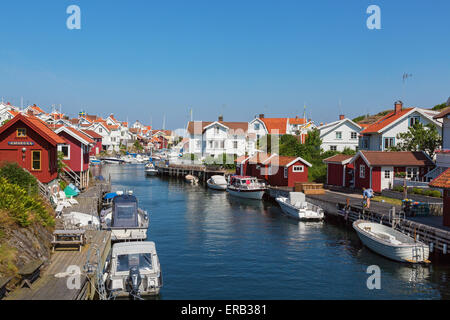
[376,169]
[27,140]
[340,170]
[276,170]
[76,154]
[97,147]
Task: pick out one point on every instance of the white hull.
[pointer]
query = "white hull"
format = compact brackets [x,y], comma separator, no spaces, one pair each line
[256,195]
[151,172]
[298,213]
[402,248]
[216,186]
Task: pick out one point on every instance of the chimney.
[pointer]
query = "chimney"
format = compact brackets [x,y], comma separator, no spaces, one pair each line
[261,116]
[341,117]
[321,123]
[221,118]
[398,106]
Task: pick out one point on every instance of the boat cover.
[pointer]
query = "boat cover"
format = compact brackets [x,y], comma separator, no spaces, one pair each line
[219,180]
[124,212]
[109,195]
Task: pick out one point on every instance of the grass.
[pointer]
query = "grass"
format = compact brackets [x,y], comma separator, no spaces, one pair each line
[7,260]
[392,201]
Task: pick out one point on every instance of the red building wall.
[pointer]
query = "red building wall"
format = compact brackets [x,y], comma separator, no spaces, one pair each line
[79,160]
[335,174]
[13,153]
[361,182]
[97,146]
[297,176]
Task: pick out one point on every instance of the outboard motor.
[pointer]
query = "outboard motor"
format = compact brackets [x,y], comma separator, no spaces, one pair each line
[133,282]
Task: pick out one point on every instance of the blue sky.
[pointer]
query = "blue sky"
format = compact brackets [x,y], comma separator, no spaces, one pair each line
[143,59]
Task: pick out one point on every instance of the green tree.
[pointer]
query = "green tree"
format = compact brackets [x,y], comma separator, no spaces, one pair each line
[137,146]
[419,138]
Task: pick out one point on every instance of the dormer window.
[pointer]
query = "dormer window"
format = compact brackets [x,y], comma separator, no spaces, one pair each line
[414,120]
[21,132]
[256,126]
[217,130]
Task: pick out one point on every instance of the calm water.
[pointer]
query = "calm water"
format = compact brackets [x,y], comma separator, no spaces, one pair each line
[213,246]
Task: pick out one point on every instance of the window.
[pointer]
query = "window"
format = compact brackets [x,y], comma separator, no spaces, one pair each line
[389,142]
[285,173]
[387,174]
[353,135]
[365,144]
[412,173]
[333,148]
[141,260]
[100,130]
[362,171]
[339,135]
[235,144]
[298,169]
[21,132]
[35,160]
[210,142]
[222,144]
[217,130]
[65,149]
[413,121]
[256,126]
[198,144]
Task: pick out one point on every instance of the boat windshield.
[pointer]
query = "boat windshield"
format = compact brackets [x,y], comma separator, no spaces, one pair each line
[125,211]
[142,260]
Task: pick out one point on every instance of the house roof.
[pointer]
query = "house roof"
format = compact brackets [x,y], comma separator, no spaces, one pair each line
[442,180]
[80,136]
[297,121]
[92,134]
[444,113]
[275,125]
[274,159]
[397,158]
[197,127]
[339,158]
[385,121]
[260,158]
[37,125]
[241,159]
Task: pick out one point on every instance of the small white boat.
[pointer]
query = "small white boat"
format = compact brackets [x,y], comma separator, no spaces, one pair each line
[217,183]
[112,160]
[246,187]
[150,169]
[94,161]
[391,243]
[191,179]
[133,270]
[125,219]
[297,207]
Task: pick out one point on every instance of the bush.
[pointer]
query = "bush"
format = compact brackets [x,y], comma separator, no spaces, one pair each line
[21,207]
[417,191]
[14,174]
[398,188]
[432,193]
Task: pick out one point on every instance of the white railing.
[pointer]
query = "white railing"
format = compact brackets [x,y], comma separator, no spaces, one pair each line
[410,183]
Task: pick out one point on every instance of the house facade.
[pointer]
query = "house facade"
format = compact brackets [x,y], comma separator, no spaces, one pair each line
[382,135]
[27,141]
[339,135]
[340,171]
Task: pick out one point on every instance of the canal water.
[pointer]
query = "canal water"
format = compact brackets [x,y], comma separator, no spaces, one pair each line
[214,246]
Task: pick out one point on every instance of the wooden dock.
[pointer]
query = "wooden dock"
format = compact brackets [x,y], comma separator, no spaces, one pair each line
[53,282]
[181,170]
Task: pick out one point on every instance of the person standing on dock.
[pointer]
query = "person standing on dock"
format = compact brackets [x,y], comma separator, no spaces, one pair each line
[367,195]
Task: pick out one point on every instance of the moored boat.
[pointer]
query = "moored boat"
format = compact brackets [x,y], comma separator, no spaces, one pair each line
[150,169]
[391,243]
[112,160]
[191,179]
[125,219]
[297,207]
[217,183]
[133,270]
[246,187]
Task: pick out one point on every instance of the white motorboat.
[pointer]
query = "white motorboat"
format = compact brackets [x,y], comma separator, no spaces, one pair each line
[246,187]
[133,270]
[150,169]
[112,160]
[217,183]
[191,179]
[124,219]
[391,243]
[297,207]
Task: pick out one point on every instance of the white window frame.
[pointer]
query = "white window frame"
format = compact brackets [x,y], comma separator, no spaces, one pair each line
[362,171]
[387,174]
[409,173]
[256,126]
[353,135]
[415,118]
[298,168]
[340,135]
[68,150]
[333,148]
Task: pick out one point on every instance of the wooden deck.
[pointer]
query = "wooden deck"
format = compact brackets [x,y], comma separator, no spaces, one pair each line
[179,170]
[52,284]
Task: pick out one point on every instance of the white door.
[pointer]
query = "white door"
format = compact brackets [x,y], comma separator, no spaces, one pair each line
[387,177]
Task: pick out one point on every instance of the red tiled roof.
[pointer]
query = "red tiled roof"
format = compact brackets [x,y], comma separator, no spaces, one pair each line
[385,121]
[442,180]
[92,134]
[338,158]
[397,158]
[275,125]
[259,158]
[113,127]
[81,135]
[443,113]
[297,120]
[37,109]
[36,124]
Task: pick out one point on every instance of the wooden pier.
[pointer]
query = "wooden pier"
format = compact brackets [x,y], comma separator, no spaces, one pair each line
[348,208]
[181,170]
